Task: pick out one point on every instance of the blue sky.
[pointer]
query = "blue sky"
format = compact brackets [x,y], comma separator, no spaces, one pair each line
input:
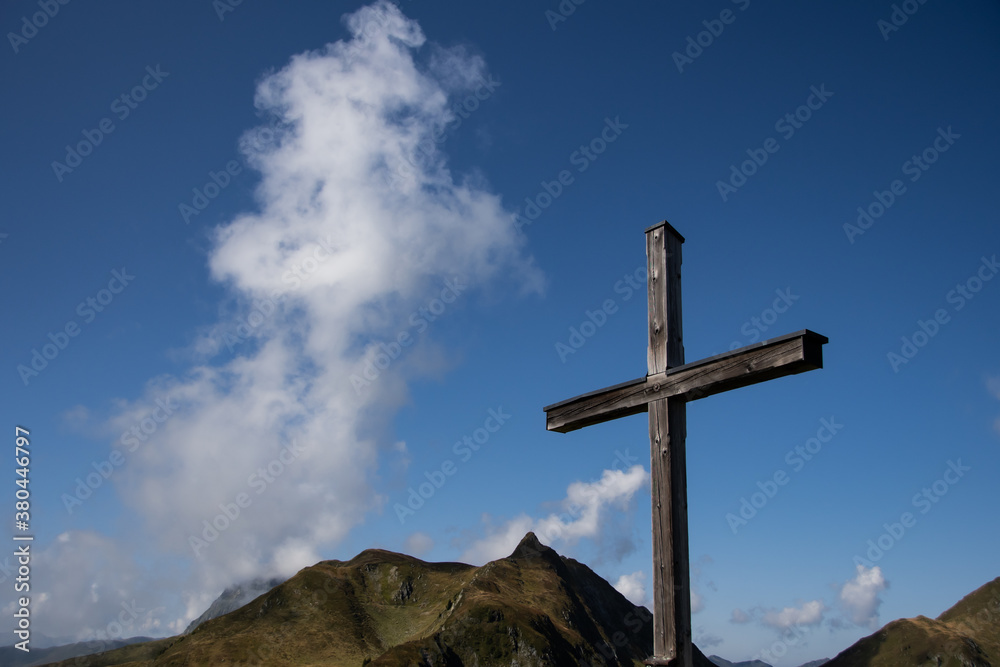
[316,266]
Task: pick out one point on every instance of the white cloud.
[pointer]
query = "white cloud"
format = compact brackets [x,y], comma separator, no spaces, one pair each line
[633,587]
[360,223]
[697,601]
[418,544]
[77,417]
[500,541]
[584,516]
[112,596]
[993,384]
[810,613]
[859,597]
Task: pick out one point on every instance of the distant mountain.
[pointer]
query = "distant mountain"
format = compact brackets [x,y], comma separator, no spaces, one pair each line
[384,609]
[722,662]
[233,598]
[967,635]
[14,657]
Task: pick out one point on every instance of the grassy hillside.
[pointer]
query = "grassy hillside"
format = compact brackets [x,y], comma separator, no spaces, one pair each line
[967,635]
[386,610]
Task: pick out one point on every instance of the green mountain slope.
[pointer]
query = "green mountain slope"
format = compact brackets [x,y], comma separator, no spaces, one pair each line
[387,610]
[13,657]
[967,635]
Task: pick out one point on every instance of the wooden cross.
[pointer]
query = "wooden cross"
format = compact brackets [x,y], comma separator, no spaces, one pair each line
[664,392]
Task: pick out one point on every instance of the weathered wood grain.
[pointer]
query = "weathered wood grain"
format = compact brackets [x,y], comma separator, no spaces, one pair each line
[664,393]
[667,426]
[788,355]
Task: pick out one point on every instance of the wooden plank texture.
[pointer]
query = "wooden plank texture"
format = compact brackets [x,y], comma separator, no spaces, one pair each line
[664,393]
[787,355]
[667,427]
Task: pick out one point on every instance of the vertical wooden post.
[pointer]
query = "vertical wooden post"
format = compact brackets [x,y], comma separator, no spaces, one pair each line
[665,397]
[667,430]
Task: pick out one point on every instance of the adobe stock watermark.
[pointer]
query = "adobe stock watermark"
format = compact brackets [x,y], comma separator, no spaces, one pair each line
[958,297]
[60,340]
[563,11]
[786,125]
[593,320]
[581,158]
[386,353]
[789,637]
[924,500]
[464,449]
[623,460]
[424,155]
[115,629]
[253,142]
[714,28]
[223,7]
[30,27]
[202,197]
[796,459]
[138,434]
[914,168]
[900,14]
[242,329]
[231,511]
[755,327]
[122,106]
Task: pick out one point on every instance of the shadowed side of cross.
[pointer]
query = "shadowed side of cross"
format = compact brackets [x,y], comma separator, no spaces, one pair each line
[664,392]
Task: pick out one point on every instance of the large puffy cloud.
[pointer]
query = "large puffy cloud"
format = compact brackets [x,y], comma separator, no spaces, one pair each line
[266,454]
[859,597]
[585,515]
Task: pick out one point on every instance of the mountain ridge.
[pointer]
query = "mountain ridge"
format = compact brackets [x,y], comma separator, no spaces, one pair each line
[534,607]
[234,597]
[385,609]
[967,634]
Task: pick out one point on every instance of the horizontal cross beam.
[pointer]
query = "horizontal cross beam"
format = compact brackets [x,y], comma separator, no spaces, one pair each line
[788,355]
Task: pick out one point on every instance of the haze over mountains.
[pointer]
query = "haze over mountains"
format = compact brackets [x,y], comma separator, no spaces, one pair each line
[534,607]
[382,608]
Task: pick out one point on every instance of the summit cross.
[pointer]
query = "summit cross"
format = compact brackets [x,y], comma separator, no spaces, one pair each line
[664,392]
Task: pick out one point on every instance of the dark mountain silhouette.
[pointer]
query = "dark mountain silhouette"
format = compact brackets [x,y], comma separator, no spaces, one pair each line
[722,662]
[385,609]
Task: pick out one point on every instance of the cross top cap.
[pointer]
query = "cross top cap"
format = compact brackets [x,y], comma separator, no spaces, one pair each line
[668,227]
